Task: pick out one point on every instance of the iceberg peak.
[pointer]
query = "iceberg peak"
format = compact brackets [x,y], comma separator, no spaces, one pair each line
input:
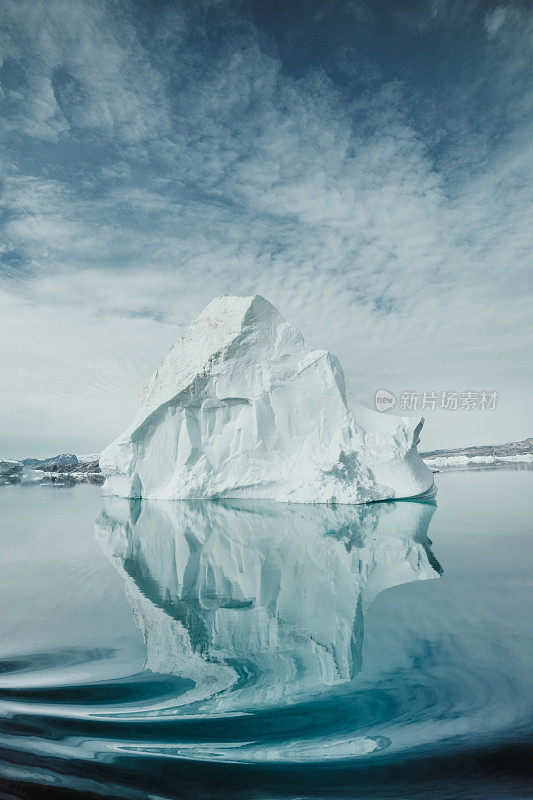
[242,407]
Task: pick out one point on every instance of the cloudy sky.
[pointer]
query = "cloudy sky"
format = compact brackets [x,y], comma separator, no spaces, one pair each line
[364,165]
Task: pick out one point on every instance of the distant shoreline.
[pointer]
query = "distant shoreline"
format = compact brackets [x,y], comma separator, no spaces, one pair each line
[483,455]
[70,469]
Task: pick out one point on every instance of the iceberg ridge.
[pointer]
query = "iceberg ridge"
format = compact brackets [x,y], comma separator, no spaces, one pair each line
[241,407]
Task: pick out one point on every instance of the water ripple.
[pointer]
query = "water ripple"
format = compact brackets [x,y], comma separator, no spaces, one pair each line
[265,652]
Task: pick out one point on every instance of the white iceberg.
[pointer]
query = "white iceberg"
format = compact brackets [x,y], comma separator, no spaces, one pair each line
[30,475]
[241,407]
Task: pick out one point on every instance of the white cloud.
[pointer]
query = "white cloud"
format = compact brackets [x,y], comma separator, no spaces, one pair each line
[244,179]
[495,19]
[82,70]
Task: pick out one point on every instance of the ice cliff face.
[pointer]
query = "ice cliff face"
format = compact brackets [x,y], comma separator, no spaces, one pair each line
[241,407]
[280,588]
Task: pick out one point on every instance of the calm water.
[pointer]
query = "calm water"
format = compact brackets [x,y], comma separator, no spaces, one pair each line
[242,650]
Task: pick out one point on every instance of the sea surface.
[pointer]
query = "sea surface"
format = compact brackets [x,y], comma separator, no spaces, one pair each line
[259,650]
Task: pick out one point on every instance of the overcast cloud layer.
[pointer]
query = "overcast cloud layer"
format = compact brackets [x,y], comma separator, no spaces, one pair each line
[365,166]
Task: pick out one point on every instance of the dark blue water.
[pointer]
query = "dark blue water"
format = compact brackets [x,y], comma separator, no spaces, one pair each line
[258,650]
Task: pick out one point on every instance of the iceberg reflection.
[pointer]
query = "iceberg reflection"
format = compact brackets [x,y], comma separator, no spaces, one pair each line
[260,602]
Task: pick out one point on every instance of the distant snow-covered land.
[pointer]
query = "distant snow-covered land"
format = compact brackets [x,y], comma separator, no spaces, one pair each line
[65,468]
[485,455]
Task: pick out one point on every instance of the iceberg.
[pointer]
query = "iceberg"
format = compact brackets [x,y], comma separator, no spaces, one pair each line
[17,472]
[242,407]
[10,470]
[280,588]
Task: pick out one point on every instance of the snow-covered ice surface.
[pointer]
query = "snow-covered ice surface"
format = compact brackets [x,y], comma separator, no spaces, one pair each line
[30,475]
[241,407]
[88,458]
[465,461]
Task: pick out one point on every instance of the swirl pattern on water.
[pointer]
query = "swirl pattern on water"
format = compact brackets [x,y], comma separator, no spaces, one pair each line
[253,620]
[245,606]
